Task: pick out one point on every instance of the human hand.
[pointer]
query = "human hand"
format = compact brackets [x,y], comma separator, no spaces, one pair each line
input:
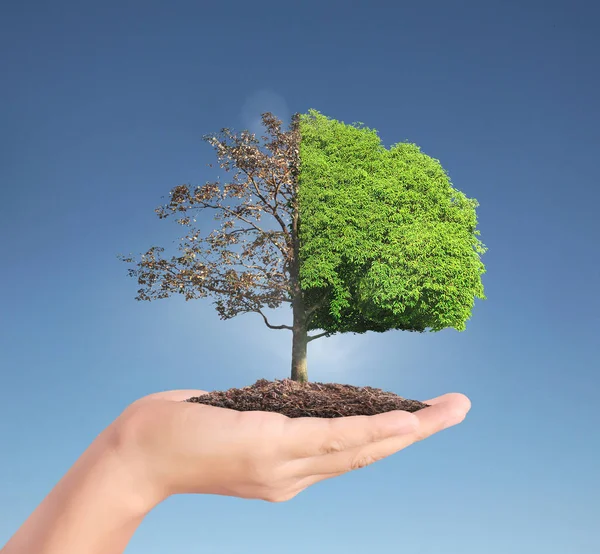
[180,447]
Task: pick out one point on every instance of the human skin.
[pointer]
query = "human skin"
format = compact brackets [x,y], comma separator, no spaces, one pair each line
[160,446]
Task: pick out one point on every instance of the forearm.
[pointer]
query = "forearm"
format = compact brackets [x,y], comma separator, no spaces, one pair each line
[94,509]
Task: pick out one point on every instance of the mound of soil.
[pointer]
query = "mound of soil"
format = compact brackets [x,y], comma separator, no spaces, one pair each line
[294,399]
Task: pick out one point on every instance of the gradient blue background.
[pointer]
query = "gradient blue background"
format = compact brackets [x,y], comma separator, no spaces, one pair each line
[103,106]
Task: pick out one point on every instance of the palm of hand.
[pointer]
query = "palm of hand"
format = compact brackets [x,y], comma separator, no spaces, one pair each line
[181,447]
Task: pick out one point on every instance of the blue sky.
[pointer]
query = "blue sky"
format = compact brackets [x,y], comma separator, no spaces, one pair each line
[103,106]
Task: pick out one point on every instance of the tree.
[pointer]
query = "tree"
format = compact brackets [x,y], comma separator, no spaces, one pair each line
[364,238]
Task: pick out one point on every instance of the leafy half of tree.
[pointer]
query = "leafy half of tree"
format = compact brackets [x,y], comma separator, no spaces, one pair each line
[385,232]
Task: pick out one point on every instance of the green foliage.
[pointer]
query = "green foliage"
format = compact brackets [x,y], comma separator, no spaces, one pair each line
[383,234]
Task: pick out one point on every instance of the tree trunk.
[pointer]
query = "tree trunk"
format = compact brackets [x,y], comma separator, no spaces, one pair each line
[299,342]
[300,325]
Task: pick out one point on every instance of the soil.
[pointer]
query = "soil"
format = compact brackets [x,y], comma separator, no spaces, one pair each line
[294,399]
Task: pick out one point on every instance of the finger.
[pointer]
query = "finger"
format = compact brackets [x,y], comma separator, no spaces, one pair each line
[334,464]
[308,437]
[452,396]
[444,412]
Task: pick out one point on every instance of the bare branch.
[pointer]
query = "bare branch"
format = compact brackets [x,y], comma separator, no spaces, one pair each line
[315,337]
[258,311]
[273,210]
[262,232]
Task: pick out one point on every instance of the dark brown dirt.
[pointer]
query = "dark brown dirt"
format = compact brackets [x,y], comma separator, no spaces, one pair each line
[294,399]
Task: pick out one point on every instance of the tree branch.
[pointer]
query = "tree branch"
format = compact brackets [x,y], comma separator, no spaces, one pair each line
[273,210]
[232,213]
[258,311]
[315,337]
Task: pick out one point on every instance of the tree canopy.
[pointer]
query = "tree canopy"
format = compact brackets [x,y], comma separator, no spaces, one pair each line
[384,232]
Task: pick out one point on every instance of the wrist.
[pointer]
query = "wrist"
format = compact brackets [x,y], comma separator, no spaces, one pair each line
[140,485]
